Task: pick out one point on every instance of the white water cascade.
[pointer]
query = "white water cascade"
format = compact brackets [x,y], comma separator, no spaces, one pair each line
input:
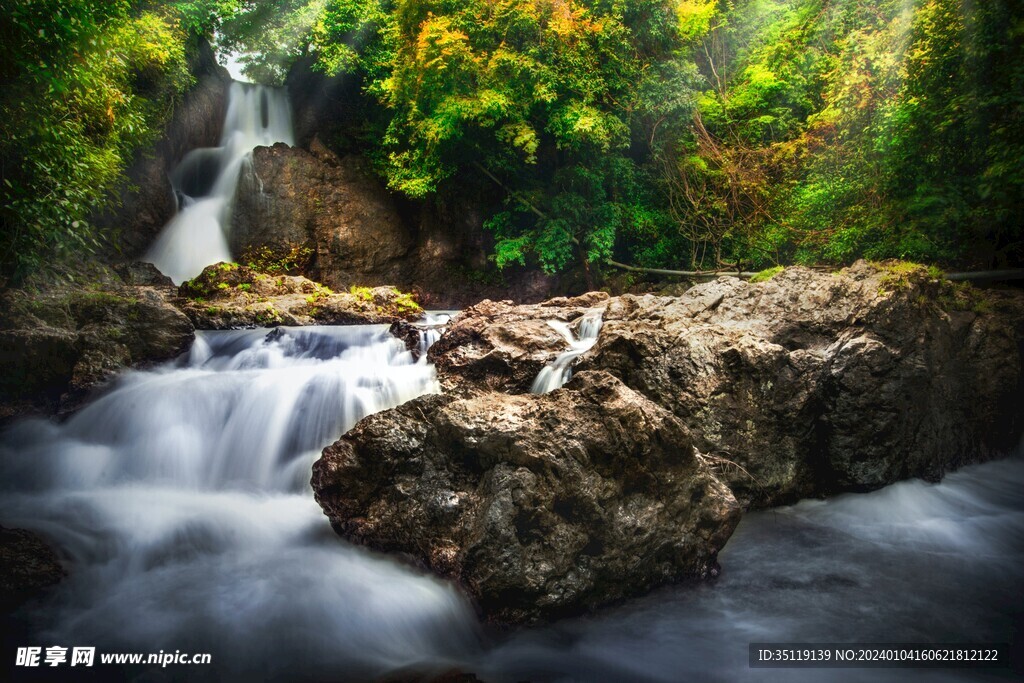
[206,179]
[182,502]
[559,372]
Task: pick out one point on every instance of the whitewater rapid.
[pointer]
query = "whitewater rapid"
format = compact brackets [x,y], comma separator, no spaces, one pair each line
[181,506]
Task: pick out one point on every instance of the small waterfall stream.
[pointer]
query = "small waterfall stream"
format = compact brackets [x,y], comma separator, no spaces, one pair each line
[559,372]
[206,179]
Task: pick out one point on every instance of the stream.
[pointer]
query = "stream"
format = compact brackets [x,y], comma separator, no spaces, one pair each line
[181,504]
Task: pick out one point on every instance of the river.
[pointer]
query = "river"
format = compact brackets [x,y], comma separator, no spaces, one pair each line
[181,504]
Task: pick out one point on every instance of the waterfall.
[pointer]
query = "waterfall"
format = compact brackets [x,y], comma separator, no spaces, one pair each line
[433,326]
[205,181]
[559,371]
[182,501]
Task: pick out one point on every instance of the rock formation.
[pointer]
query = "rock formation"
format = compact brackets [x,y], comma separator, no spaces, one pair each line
[289,196]
[805,385]
[59,343]
[539,505]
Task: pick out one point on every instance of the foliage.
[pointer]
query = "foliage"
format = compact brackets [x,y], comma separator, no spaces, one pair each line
[766,274]
[863,129]
[84,85]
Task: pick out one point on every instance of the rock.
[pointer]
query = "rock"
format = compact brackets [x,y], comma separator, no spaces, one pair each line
[335,207]
[142,273]
[501,346]
[804,385]
[227,295]
[59,343]
[28,567]
[540,506]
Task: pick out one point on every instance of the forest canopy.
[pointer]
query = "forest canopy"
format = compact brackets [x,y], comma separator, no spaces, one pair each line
[687,134]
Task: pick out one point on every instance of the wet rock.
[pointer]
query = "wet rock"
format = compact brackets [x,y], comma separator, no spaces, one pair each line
[28,567]
[60,342]
[540,506]
[227,295]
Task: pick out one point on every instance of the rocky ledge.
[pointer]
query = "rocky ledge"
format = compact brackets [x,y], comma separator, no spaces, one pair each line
[228,295]
[61,340]
[807,384]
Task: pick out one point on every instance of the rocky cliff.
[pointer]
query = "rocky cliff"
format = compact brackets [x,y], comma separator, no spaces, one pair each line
[808,384]
[361,234]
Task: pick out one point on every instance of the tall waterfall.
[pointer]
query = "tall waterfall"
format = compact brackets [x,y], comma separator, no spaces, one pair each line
[559,371]
[206,179]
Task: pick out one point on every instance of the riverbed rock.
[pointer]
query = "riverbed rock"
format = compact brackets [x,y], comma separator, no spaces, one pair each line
[28,567]
[540,506]
[228,296]
[807,384]
[61,341]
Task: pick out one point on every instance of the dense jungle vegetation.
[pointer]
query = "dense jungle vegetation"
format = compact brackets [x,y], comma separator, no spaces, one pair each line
[687,134]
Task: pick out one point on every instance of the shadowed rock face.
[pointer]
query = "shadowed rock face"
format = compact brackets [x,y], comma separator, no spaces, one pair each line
[539,505]
[624,479]
[335,207]
[58,344]
[28,566]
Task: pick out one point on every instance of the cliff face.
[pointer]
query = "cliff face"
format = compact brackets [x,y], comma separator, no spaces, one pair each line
[361,234]
[806,385]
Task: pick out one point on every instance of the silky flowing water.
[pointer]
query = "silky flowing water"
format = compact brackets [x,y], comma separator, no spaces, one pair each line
[206,179]
[180,502]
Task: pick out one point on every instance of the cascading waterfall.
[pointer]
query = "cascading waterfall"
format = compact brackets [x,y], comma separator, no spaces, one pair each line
[180,501]
[433,326]
[559,372]
[206,179]
[182,498]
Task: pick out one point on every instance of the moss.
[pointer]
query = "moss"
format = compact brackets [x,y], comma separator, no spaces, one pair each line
[268,316]
[766,274]
[361,293]
[243,286]
[900,275]
[406,304]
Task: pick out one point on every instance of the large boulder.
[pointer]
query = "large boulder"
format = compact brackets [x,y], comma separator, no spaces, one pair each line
[540,506]
[336,208]
[59,342]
